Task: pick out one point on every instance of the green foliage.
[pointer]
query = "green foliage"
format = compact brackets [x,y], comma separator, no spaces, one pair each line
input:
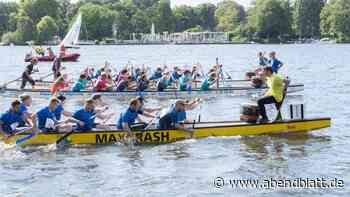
[7,11]
[335,20]
[98,20]
[307,18]
[270,19]
[47,29]
[166,20]
[229,15]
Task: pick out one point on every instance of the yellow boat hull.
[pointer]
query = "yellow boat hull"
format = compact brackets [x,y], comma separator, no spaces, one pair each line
[201,130]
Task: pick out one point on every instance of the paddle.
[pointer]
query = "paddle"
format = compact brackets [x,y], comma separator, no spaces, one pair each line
[59,142]
[6,84]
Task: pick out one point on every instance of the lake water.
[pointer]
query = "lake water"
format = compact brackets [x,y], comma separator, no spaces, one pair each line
[189,168]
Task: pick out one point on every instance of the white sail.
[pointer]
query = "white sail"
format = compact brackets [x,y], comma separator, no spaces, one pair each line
[72,36]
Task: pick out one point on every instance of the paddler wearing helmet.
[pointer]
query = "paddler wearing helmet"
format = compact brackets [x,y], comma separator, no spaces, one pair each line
[26,75]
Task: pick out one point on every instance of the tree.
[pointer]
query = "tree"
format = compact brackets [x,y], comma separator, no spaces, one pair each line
[98,21]
[7,9]
[269,19]
[335,20]
[36,9]
[47,29]
[206,16]
[229,15]
[185,18]
[307,17]
[166,20]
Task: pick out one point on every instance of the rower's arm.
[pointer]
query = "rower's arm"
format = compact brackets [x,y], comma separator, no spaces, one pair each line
[148,115]
[73,120]
[127,128]
[67,114]
[149,110]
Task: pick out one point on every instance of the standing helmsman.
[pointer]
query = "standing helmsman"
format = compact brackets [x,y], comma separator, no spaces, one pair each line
[57,65]
[26,75]
[274,95]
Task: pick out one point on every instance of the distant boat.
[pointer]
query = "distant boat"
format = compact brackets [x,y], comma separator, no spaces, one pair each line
[72,37]
[69,41]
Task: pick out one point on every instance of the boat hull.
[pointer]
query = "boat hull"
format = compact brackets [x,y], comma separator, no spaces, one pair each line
[152,94]
[73,57]
[201,130]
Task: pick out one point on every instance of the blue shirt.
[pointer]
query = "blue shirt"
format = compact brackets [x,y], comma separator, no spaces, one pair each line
[87,118]
[79,85]
[156,75]
[171,118]
[58,112]
[128,117]
[205,85]
[175,76]
[22,109]
[43,115]
[8,119]
[275,63]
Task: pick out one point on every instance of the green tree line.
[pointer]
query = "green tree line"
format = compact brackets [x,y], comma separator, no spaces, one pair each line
[262,21]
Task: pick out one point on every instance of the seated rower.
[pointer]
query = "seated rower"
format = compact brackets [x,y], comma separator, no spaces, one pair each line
[26,75]
[209,81]
[85,117]
[275,63]
[126,85]
[149,111]
[157,74]
[127,119]
[176,74]
[47,121]
[103,84]
[142,83]
[58,85]
[11,120]
[164,82]
[81,84]
[122,75]
[274,93]
[60,109]
[28,118]
[185,82]
[262,60]
[174,118]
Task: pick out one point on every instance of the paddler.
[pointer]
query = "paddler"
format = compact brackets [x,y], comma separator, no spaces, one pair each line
[60,109]
[158,73]
[164,82]
[58,85]
[185,81]
[262,60]
[28,117]
[209,81]
[274,95]
[103,84]
[47,121]
[81,84]
[85,117]
[126,85]
[175,117]
[147,110]
[26,75]
[10,120]
[127,120]
[142,83]
[275,63]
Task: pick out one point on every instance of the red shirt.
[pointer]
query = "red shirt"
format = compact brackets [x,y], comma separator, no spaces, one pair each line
[101,84]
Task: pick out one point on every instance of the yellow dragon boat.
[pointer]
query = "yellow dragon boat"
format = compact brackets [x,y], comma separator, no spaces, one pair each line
[200,130]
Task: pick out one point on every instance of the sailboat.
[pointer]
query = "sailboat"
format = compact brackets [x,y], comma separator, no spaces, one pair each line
[69,41]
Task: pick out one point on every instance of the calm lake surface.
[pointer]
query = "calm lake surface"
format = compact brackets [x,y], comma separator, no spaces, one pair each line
[189,168]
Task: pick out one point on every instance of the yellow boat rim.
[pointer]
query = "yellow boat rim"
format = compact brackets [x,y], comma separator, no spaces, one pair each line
[200,130]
